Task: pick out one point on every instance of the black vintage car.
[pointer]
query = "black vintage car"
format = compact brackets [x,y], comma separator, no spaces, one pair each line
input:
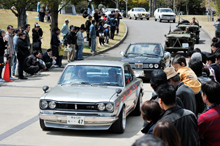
[146,57]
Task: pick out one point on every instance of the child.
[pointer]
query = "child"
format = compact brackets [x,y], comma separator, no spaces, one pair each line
[106,33]
[186,74]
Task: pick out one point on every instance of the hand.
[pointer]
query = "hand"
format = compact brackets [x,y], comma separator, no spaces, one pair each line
[29,48]
[45,68]
[8,47]
[10,56]
[53,57]
[89,36]
[68,46]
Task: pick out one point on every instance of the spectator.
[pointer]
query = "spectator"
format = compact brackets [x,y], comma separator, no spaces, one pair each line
[26,32]
[38,6]
[149,140]
[184,120]
[203,55]
[88,24]
[196,55]
[101,34]
[46,57]
[168,133]
[208,122]
[42,12]
[65,28]
[23,52]
[55,44]
[113,24]
[85,13]
[106,27]
[215,48]
[214,40]
[100,6]
[150,112]
[104,10]
[117,18]
[217,27]
[32,63]
[16,36]
[90,7]
[210,59]
[10,52]
[71,43]
[184,92]
[97,15]
[190,52]
[92,35]
[80,42]
[186,74]
[61,54]
[216,66]
[3,47]
[36,38]
[40,32]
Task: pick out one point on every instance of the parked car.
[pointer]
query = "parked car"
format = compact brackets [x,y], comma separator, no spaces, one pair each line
[177,41]
[146,57]
[138,13]
[164,14]
[92,95]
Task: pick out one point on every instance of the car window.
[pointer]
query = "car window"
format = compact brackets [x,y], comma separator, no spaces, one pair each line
[140,10]
[166,10]
[128,74]
[101,75]
[158,10]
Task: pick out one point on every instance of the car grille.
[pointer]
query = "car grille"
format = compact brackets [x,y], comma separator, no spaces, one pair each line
[138,65]
[76,106]
[168,15]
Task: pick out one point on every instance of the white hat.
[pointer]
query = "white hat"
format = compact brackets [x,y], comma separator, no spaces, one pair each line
[90,0]
[116,10]
[37,25]
[67,20]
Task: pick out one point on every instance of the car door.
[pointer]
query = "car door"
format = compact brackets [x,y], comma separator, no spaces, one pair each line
[129,93]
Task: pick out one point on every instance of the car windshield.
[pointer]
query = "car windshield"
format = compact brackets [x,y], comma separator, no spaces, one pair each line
[145,49]
[92,75]
[111,9]
[166,10]
[140,10]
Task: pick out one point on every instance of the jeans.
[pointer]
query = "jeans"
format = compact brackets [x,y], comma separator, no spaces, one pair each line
[14,64]
[107,39]
[80,52]
[1,66]
[60,61]
[93,44]
[88,39]
[89,11]
[217,33]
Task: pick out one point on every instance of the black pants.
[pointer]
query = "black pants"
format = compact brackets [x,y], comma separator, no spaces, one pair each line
[101,41]
[21,59]
[32,69]
[41,16]
[112,32]
[55,51]
[89,39]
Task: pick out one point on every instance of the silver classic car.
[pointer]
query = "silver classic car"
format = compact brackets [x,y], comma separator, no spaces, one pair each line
[92,95]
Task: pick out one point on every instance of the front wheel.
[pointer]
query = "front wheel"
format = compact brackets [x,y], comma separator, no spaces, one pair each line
[168,20]
[137,110]
[129,16]
[174,21]
[119,125]
[141,18]
[155,19]
[160,20]
[42,125]
[135,18]
[148,18]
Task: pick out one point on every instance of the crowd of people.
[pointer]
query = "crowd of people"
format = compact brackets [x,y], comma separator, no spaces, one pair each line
[184,110]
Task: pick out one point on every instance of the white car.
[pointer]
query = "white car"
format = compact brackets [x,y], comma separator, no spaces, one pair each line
[140,13]
[164,14]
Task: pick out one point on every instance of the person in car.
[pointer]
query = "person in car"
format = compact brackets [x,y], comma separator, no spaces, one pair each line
[112,75]
[157,50]
[194,21]
[187,31]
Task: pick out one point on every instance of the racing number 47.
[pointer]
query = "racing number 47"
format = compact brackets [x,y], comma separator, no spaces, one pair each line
[80,121]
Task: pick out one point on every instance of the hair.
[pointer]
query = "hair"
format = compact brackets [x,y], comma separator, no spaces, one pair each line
[196,65]
[93,21]
[178,59]
[150,110]
[206,70]
[168,133]
[211,90]
[148,140]
[198,50]
[167,93]
[26,26]
[210,57]
[215,45]
[9,27]
[158,77]
[190,52]
[214,40]
[90,17]
[17,30]
[49,50]
[71,26]
[35,52]
[217,56]
[176,78]
[21,34]
[2,31]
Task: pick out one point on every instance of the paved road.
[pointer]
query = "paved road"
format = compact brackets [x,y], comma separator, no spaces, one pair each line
[20,99]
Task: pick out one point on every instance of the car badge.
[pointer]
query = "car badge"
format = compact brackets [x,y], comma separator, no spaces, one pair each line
[76,106]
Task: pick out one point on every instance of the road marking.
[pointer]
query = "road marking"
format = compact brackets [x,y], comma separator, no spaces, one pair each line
[17,97]
[18,128]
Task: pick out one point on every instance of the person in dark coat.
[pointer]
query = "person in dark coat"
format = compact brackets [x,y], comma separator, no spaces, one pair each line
[55,44]
[32,63]
[88,24]
[184,120]
[23,52]
[36,38]
[216,66]
[215,48]
[3,47]
[46,57]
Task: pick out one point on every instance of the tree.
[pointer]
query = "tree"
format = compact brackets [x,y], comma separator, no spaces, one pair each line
[116,3]
[19,8]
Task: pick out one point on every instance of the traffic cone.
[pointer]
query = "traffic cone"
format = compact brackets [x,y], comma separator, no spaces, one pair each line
[7,73]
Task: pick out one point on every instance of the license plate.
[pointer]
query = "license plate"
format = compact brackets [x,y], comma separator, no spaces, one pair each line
[143,15]
[75,120]
[185,45]
[139,73]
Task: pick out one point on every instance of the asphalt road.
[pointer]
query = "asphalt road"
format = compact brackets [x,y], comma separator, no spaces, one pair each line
[19,101]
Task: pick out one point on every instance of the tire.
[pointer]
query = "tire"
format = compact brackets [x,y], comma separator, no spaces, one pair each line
[141,18]
[137,110]
[119,125]
[168,20]
[129,17]
[42,125]
[155,19]
[148,18]
[160,20]
[135,18]
[174,21]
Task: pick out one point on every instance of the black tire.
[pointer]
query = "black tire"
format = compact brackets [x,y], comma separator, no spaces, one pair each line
[148,18]
[160,20]
[118,127]
[174,21]
[168,20]
[137,110]
[141,18]
[42,125]
[129,17]
[155,19]
[135,18]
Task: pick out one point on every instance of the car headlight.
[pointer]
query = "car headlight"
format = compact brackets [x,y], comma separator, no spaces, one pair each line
[109,107]
[52,104]
[44,104]
[101,106]
[151,65]
[156,66]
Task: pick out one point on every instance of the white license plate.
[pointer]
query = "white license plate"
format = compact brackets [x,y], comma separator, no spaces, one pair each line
[75,120]
[185,45]
[143,15]
[139,73]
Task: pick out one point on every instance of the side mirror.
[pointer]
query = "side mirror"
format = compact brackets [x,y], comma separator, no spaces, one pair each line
[118,91]
[165,35]
[122,53]
[45,88]
[166,55]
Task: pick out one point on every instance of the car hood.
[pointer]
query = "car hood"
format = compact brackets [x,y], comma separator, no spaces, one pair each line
[142,12]
[140,59]
[168,13]
[81,93]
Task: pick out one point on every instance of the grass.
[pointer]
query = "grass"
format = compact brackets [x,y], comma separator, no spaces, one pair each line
[7,17]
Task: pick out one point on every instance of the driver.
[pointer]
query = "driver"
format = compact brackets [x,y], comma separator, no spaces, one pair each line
[194,21]
[112,75]
[80,75]
[157,50]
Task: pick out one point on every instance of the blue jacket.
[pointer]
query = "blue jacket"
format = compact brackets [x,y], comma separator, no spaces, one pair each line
[15,38]
[64,29]
[92,31]
[113,22]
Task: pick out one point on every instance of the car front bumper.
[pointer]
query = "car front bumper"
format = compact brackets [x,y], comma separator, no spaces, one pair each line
[146,72]
[168,18]
[143,16]
[92,122]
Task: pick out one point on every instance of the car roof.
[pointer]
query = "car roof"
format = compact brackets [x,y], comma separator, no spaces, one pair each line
[99,63]
[145,43]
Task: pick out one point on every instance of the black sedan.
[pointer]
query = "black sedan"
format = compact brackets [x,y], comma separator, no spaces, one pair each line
[146,57]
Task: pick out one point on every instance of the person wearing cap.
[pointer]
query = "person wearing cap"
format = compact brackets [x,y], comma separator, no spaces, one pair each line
[217,27]
[71,43]
[80,42]
[36,38]
[185,93]
[194,21]
[90,7]
[65,28]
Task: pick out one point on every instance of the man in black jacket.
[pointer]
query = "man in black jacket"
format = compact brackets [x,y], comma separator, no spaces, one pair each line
[32,63]
[71,43]
[88,23]
[185,93]
[36,38]
[216,66]
[26,32]
[23,51]
[184,120]
[46,57]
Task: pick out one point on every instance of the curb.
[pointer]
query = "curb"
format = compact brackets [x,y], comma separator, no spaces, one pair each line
[207,32]
[115,45]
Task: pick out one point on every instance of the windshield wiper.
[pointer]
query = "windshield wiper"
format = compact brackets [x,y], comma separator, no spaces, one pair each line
[71,83]
[106,83]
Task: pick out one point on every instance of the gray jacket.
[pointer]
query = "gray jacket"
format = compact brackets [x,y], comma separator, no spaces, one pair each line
[80,38]
[217,26]
[11,50]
